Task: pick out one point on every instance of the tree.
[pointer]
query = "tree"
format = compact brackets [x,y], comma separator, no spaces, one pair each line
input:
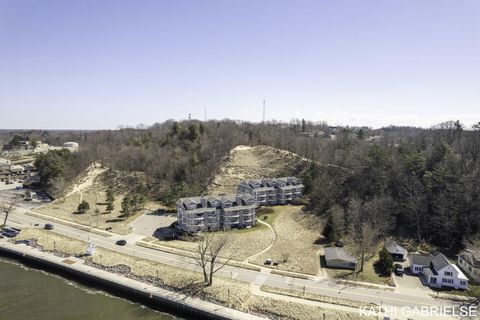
[8,207]
[385,262]
[208,251]
[333,229]
[109,195]
[110,206]
[364,240]
[83,207]
[127,206]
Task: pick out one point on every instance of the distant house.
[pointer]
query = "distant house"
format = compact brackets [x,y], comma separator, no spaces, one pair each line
[436,271]
[270,192]
[397,251]
[213,213]
[469,261]
[336,257]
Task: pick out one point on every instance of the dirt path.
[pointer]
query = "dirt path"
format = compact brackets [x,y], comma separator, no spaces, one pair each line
[92,172]
[274,238]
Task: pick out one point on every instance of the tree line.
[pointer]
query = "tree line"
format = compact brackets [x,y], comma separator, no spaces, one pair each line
[412,182]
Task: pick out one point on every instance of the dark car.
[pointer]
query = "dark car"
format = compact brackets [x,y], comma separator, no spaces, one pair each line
[9,233]
[121,242]
[49,226]
[398,269]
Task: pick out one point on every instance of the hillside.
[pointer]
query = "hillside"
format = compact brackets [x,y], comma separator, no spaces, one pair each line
[245,162]
[91,186]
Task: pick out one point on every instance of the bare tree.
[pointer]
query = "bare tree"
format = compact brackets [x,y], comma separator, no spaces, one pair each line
[8,207]
[364,238]
[209,249]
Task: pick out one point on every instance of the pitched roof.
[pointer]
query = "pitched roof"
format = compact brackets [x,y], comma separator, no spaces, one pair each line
[336,253]
[393,247]
[429,271]
[418,259]
[472,256]
[440,261]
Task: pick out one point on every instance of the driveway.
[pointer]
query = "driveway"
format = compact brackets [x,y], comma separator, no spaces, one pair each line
[149,222]
[410,282]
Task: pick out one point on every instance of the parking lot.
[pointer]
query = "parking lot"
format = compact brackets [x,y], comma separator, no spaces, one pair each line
[149,222]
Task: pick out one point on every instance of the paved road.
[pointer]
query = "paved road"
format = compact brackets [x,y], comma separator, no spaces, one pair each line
[320,286]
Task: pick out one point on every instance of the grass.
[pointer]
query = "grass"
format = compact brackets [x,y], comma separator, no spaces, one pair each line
[367,275]
[232,293]
[295,249]
[94,193]
[315,297]
[472,292]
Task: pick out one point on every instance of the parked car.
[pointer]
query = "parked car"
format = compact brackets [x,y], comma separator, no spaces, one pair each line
[49,226]
[9,233]
[121,242]
[398,270]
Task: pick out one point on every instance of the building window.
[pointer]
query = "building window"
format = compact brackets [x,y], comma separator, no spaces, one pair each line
[463,283]
[448,273]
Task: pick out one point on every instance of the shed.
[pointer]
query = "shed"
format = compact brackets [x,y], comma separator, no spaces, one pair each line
[337,257]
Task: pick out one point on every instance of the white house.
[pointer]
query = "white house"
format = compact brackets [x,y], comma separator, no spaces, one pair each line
[436,271]
[469,261]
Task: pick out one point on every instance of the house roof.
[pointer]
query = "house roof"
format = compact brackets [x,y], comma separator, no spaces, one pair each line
[393,247]
[440,261]
[421,260]
[472,256]
[429,271]
[336,253]
[211,199]
[460,274]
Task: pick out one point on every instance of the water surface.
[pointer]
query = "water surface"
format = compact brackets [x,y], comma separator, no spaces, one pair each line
[31,294]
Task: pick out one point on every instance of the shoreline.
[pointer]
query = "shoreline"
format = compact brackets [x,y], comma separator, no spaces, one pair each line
[130,289]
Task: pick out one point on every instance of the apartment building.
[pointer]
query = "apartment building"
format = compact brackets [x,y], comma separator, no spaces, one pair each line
[269,192]
[214,213]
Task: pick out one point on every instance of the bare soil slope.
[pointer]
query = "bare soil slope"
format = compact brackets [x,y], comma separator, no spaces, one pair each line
[245,162]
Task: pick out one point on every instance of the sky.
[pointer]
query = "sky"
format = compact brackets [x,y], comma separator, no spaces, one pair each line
[98,64]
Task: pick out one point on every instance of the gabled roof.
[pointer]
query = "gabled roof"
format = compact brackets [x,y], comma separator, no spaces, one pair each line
[440,261]
[472,256]
[336,253]
[393,247]
[420,260]
[429,271]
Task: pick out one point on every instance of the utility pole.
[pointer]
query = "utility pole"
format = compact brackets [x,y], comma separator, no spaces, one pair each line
[189,116]
[205,114]
[263,118]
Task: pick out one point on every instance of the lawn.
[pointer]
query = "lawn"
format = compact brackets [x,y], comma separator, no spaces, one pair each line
[367,275]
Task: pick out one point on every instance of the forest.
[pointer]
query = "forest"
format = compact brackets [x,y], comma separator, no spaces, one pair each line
[409,182]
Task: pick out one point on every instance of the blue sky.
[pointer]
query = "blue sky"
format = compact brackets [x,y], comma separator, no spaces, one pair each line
[99,64]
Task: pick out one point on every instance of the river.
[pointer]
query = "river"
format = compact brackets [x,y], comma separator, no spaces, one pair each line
[31,294]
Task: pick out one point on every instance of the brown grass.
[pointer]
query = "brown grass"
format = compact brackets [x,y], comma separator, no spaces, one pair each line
[296,236]
[94,193]
[229,292]
[242,243]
